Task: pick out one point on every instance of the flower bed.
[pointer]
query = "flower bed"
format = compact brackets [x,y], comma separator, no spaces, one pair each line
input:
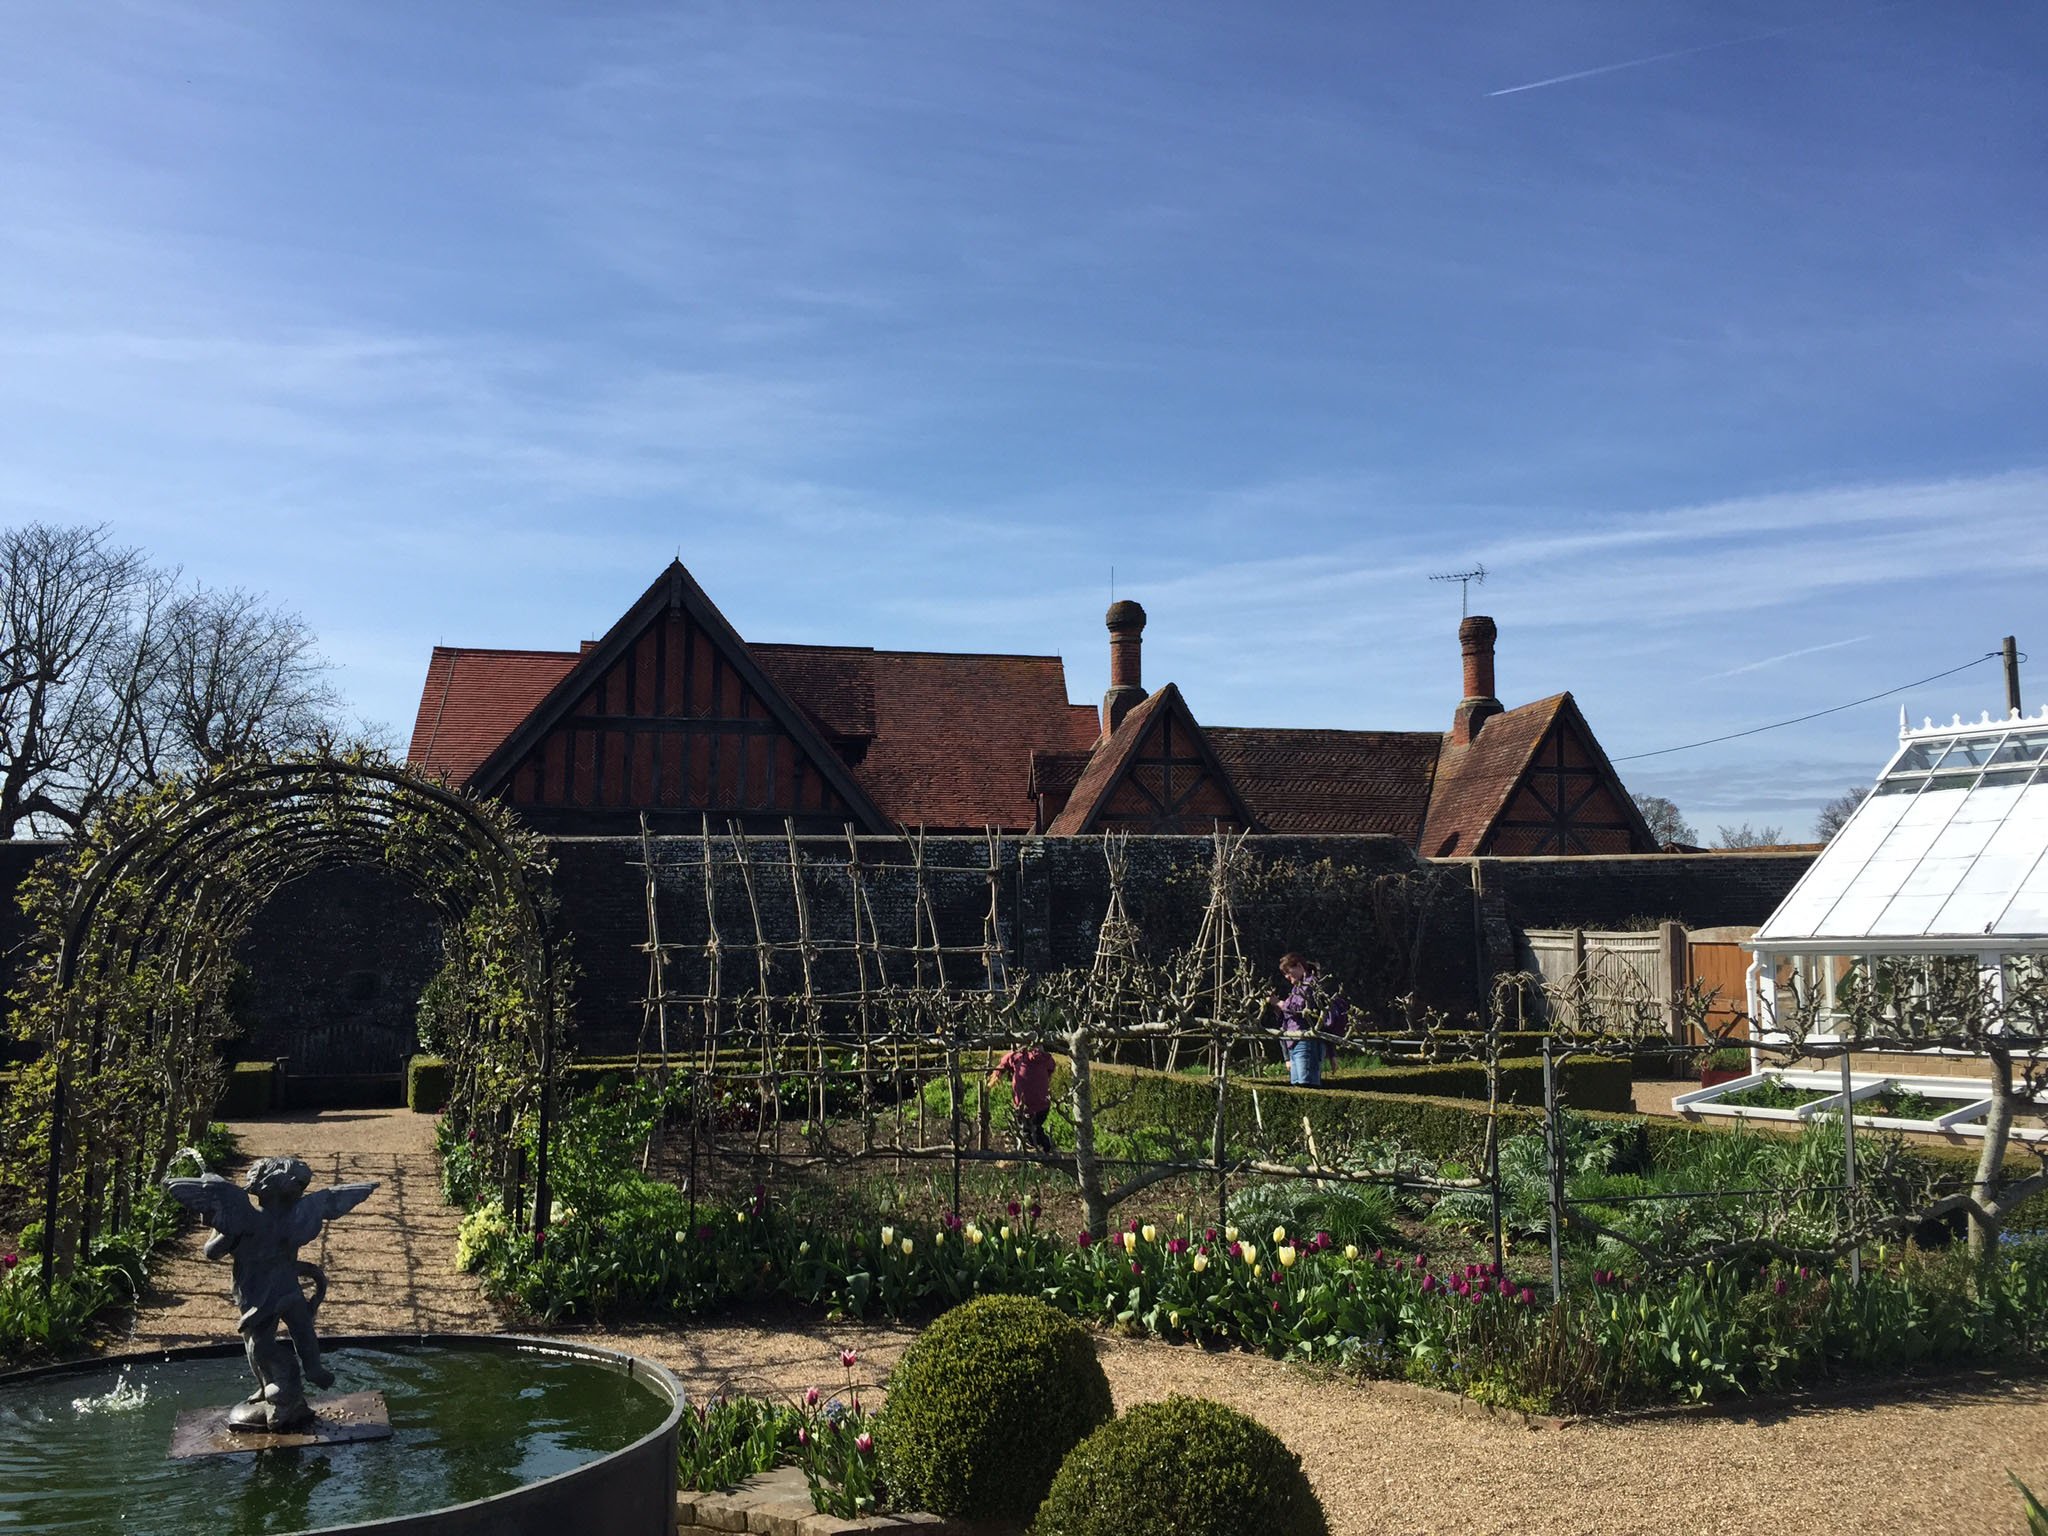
[1469,1328]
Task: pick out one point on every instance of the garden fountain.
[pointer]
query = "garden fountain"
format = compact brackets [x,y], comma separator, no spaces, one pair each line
[475,1432]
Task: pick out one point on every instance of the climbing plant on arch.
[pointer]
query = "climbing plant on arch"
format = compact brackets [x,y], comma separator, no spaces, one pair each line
[136,928]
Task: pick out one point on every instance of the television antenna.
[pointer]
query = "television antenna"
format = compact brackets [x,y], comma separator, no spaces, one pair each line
[1465,580]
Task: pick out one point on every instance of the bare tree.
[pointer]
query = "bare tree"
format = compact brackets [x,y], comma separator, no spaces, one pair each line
[1746,836]
[1839,810]
[1666,822]
[64,600]
[113,674]
[236,678]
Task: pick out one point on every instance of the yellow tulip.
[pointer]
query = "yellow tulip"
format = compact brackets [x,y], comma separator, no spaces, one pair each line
[1251,1256]
[1151,1233]
[1173,1318]
[888,1236]
[1005,1234]
[1130,1241]
[1279,1234]
[908,1246]
[1201,1262]
[938,1239]
[1287,1256]
[1230,1234]
[1351,1250]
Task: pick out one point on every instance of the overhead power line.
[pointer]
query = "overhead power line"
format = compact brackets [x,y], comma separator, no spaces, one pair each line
[1778,725]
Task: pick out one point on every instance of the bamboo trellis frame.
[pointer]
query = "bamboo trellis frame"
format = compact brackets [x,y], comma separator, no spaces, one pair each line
[856,1004]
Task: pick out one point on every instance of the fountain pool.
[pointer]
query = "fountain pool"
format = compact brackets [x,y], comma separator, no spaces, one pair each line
[489,1433]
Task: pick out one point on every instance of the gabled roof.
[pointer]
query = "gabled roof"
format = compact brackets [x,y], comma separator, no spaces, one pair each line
[938,740]
[1475,782]
[473,699]
[1312,781]
[674,588]
[1113,759]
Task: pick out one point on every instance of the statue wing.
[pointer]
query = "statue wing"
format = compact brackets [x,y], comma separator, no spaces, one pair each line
[319,1206]
[225,1205]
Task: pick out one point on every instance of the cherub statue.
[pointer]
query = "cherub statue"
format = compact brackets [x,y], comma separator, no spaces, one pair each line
[265,1237]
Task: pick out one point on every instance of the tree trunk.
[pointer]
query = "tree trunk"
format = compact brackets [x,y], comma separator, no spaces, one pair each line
[1991,1161]
[1087,1173]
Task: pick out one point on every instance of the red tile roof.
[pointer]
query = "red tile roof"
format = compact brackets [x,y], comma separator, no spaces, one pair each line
[1310,781]
[954,736]
[1473,782]
[948,737]
[473,699]
[833,684]
[962,741]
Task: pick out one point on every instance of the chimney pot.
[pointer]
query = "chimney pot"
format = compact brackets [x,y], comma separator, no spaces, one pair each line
[1476,636]
[1126,622]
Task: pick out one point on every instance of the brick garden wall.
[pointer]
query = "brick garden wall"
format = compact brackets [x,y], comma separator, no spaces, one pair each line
[340,957]
[1700,890]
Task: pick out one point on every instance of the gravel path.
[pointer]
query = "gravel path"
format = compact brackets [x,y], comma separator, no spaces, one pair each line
[1387,1460]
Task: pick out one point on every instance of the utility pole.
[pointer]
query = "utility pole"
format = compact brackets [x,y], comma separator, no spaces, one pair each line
[2012,675]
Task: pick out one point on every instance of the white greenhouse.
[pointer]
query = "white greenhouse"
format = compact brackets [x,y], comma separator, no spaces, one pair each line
[1945,862]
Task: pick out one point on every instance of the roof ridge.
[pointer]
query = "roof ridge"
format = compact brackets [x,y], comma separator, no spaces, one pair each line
[499,650]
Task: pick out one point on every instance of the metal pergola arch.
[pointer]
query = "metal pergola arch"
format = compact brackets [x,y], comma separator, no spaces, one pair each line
[262,824]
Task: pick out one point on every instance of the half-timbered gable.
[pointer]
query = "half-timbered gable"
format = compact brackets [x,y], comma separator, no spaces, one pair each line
[1155,773]
[670,713]
[1531,781]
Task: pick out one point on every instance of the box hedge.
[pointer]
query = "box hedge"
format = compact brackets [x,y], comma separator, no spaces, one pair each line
[250,1090]
[426,1085]
[1182,1467]
[986,1404]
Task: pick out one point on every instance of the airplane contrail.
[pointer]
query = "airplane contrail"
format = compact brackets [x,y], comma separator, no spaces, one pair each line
[1686,53]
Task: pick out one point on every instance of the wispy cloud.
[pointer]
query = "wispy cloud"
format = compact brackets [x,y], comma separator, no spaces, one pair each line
[1784,656]
[1686,53]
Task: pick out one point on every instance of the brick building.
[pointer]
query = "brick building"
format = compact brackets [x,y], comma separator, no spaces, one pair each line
[673,714]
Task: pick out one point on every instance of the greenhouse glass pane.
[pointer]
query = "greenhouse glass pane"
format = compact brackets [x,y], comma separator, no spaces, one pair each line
[1908,916]
[1970,912]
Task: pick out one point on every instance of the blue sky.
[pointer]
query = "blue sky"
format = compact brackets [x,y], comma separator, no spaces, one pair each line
[904,323]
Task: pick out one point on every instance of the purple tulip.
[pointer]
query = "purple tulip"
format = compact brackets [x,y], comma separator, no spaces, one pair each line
[1526,1297]
[1085,1239]
[1779,1286]
[1428,1284]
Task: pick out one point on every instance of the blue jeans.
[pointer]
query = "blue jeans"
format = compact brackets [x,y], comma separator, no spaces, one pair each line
[1305,1062]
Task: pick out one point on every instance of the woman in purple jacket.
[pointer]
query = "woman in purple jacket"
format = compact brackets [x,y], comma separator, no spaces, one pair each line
[1306,1016]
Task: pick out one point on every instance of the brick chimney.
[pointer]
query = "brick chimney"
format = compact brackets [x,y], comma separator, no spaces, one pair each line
[1475,638]
[1126,621]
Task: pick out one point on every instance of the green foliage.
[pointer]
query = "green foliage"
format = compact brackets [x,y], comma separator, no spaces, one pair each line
[32,1325]
[2037,1517]
[1774,1093]
[426,1085]
[1184,1466]
[1728,1058]
[986,1404]
[1361,1214]
[723,1442]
